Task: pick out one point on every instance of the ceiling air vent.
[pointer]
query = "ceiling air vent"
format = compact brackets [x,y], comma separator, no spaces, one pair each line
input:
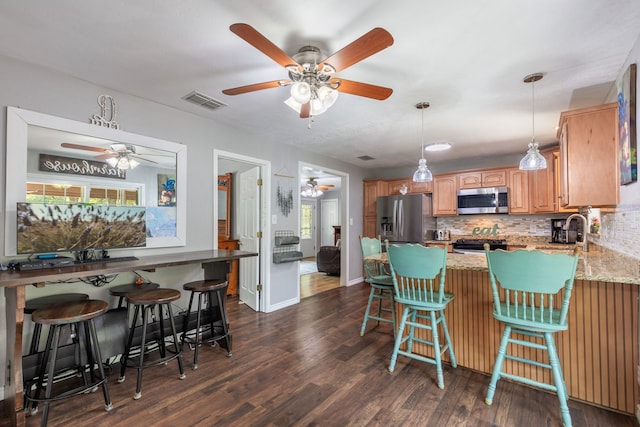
[204,100]
[365,157]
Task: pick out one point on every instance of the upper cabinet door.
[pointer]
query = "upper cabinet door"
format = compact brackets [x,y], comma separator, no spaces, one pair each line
[589,157]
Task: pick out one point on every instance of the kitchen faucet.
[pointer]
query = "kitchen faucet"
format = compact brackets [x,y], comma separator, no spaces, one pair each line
[585,227]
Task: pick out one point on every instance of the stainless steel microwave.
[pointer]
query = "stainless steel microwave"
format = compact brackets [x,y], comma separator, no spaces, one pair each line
[483,200]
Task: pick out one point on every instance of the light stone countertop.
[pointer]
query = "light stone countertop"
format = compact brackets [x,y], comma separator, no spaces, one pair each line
[599,264]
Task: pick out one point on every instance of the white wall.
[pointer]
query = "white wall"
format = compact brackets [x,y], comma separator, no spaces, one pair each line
[37,89]
[620,229]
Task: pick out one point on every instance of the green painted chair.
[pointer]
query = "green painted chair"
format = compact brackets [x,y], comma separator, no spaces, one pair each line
[418,275]
[531,294]
[381,285]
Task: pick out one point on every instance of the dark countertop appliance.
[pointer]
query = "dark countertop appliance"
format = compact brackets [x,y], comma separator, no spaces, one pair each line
[570,236]
[476,246]
[483,200]
[405,219]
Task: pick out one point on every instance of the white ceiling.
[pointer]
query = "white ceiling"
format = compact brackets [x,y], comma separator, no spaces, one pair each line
[467,58]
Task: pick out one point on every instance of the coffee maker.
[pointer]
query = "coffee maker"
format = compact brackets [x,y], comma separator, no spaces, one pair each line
[560,235]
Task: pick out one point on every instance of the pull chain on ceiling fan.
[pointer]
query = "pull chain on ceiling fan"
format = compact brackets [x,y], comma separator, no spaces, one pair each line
[313,86]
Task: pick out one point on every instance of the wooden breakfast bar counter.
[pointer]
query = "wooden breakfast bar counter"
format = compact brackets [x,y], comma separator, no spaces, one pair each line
[214,262]
[599,352]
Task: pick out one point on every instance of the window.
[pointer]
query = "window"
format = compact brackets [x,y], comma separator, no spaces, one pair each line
[306,221]
[39,191]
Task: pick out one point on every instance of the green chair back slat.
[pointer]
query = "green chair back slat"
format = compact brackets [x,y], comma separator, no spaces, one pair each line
[373,271]
[529,280]
[418,272]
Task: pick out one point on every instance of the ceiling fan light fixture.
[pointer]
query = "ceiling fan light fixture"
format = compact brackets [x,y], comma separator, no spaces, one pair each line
[113,161]
[533,160]
[133,163]
[327,96]
[123,163]
[301,92]
[311,190]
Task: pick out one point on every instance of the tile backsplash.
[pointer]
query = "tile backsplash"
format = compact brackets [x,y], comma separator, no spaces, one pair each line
[619,232]
[498,226]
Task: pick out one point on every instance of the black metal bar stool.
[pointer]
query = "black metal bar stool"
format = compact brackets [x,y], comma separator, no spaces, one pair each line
[46,302]
[81,313]
[215,292]
[144,302]
[121,291]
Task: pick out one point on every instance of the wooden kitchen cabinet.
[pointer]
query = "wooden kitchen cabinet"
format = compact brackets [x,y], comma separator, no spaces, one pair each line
[396,185]
[445,195]
[420,187]
[372,190]
[542,187]
[489,178]
[232,276]
[589,173]
[518,191]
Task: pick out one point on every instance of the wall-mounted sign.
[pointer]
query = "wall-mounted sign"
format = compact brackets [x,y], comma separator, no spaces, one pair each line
[485,231]
[59,164]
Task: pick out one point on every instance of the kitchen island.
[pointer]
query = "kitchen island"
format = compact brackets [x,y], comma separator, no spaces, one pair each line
[599,352]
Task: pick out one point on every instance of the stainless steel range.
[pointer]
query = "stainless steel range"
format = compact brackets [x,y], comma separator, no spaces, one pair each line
[476,246]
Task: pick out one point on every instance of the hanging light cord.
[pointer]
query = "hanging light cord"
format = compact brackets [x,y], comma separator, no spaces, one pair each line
[533,115]
[422,150]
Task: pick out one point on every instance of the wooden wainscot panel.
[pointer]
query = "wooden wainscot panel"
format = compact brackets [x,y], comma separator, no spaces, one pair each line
[598,353]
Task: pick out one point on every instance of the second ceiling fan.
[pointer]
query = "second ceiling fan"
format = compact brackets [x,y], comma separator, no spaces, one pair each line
[314,87]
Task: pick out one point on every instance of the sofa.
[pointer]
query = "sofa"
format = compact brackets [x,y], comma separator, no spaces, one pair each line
[328,260]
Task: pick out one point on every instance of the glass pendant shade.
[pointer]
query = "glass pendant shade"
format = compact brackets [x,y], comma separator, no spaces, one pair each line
[533,160]
[422,174]
[113,161]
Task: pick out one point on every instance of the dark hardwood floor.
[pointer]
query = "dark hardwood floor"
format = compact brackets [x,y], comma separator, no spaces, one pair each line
[307,365]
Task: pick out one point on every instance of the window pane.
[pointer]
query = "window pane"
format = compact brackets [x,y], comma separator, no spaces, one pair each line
[306,221]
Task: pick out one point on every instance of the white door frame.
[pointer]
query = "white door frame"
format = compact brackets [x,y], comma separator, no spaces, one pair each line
[344,219]
[265,225]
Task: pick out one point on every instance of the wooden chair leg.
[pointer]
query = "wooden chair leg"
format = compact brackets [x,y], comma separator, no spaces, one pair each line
[366,313]
[452,355]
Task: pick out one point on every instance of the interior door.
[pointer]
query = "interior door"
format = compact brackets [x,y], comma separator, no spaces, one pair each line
[247,228]
[308,228]
[330,214]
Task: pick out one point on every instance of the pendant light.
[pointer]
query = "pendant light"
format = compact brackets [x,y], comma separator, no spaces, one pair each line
[422,174]
[533,160]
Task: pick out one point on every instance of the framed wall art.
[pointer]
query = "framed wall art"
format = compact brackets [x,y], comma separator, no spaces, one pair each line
[627,126]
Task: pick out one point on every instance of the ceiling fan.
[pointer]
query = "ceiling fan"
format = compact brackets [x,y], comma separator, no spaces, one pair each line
[314,87]
[313,189]
[122,156]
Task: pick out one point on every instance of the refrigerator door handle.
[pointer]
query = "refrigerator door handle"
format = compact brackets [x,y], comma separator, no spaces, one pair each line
[394,222]
[401,230]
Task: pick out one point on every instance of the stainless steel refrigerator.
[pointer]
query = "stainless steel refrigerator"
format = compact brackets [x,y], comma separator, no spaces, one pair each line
[406,218]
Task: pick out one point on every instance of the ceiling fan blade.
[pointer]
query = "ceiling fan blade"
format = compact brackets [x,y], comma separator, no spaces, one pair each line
[249,34]
[363,89]
[105,156]
[142,158]
[82,147]
[305,110]
[372,42]
[254,87]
